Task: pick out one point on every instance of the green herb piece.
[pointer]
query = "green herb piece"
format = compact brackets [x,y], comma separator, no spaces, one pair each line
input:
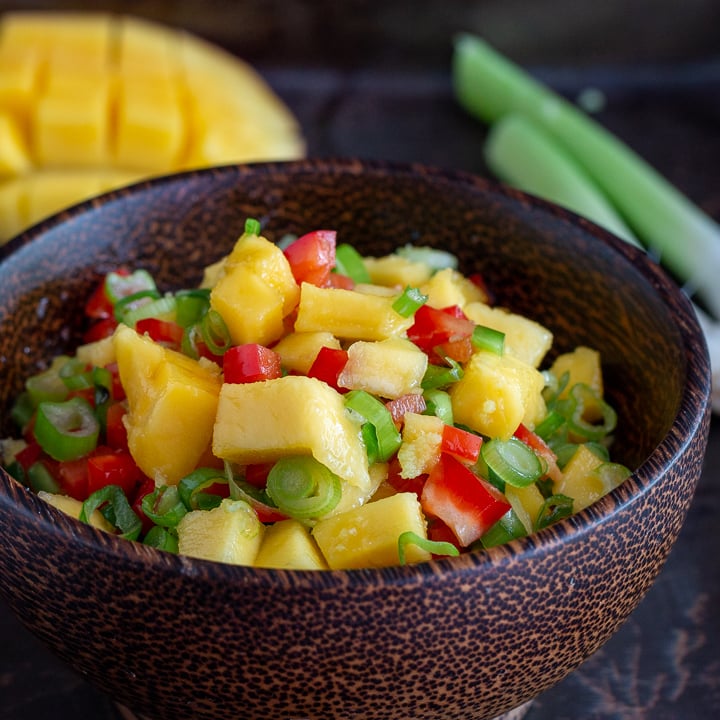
[512,462]
[409,301]
[348,261]
[438,403]
[162,539]
[373,411]
[489,339]
[214,332]
[191,488]
[508,527]
[440,376]
[252,227]
[115,508]
[164,506]
[555,507]
[435,547]
[66,430]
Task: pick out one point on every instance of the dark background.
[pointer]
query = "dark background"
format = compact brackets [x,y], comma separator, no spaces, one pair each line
[372,79]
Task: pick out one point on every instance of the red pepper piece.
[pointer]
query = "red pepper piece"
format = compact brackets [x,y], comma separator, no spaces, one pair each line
[164,332]
[113,468]
[29,455]
[438,531]
[327,366]
[99,306]
[100,330]
[433,328]
[251,363]
[115,430]
[338,280]
[401,484]
[461,444]
[466,503]
[257,474]
[73,478]
[146,487]
[412,402]
[312,256]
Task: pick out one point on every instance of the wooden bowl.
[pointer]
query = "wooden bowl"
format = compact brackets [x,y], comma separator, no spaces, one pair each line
[470,637]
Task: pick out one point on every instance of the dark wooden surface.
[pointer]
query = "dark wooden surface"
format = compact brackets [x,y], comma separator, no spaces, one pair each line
[664,99]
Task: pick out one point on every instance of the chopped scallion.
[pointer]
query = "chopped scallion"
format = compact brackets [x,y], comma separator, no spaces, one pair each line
[66,430]
[348,261]
[252,227]
[489,339]
[373,411]
[409,301]
[435,547]
[512,461]
[114,506]
[440,376]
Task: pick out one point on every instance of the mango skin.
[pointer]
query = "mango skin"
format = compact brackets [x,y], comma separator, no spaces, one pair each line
[172,402]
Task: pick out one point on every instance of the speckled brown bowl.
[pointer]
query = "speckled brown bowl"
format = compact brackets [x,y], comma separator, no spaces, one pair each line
[466,638]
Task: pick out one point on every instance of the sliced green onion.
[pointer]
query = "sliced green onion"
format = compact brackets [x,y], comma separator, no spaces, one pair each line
[434,258]
[512,461]
[550,424]
[438,403]
[15,470]
[485,338]
[162,307]
[132,303]
[41,479]
[23,410]
[164,507]
[48,385]
[252,227]
[435,547]
[76,375]
[348,261]
[581,399]
[189,342]
[66,430]
[162,539]
[191,487]
[191,305]
[611,475]
[118,286]
[508,527]
[369,436]
[112,503]
[685,238]
[303,488]
[214,332]
[440,376]
[373,411]
[409,301]
[555,508]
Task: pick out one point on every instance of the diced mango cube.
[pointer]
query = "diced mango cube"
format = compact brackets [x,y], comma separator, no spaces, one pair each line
[583,366]
[525,339]
[579,481]
[251,309]
[98,353]
[368,535]
[293,415]
[14,156]
[229,533]
[449,287]
[397,271]
[19,78]
[73,508]
[526,502]
[172,402]
[422,439]
[388,368]
[146,47]
[496,394]
[299,350]
[348,314]
[269,263]
[288,544]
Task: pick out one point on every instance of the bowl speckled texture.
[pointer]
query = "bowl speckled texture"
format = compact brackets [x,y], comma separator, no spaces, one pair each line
[470,637]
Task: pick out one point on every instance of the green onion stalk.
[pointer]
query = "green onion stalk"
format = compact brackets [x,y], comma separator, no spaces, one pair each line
[545,145]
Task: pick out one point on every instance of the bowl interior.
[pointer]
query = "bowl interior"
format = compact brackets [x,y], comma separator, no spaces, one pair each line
[585,286]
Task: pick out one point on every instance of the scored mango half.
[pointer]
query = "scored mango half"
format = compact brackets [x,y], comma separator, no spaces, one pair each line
[93,101]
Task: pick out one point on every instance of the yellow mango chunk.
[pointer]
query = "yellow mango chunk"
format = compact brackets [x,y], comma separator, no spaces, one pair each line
[73,508]
[579,481]
[368,535]
[14,156]
[298,350]
[583,366]
[230,533]
[251,309]
[145,47]
[420,450]
[525,339]
[288,545]
[526,502]
[293,415]
[19,79]
[269,263]
[397,271]
[388,368]
[496,394]
[449,287]
[172,402]
[99,353]
[348,314]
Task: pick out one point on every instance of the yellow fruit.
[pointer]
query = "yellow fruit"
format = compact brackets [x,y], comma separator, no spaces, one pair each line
[103,92]
[229,533]
[368,535]
[420,450]
[288,544]
[297,351]
[71,506]
[172,401]
[449,287]
[583,366]
[579,481]
[397,271]
[293,415]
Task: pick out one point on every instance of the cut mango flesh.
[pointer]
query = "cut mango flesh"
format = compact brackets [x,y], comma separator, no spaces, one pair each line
[92,101]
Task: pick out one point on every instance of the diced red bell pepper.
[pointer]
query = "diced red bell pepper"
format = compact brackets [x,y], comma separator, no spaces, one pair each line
[146,487]
[251,362]
[165,332]
[73,478]
[401,484]
[99,306]
[100,330]
[438,531]
[312,256]
[327,366]
[113,468]
[466,503]
[118,391]
[461,444]
[433,328]
[29,455]
[257,473]
[115,430]
[541,449]
[411,402]
[340,281]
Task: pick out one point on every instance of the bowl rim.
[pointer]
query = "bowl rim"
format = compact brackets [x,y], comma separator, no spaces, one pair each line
[693,411]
